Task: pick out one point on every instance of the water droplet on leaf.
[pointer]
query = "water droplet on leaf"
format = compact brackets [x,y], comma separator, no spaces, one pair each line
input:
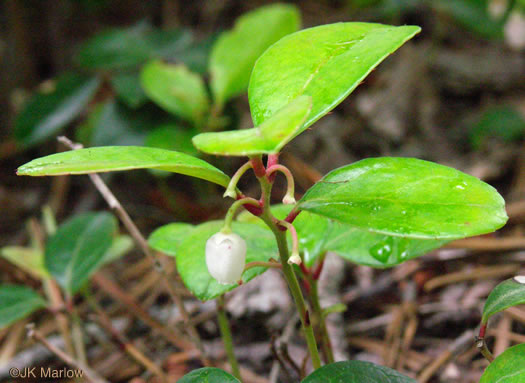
[382,250]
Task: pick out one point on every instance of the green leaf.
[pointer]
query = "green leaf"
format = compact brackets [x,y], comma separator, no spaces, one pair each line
[17,302]
[191,261]
[507,294]
[176,89]
[474,15]
[28,259]
[235,52]
[503,122]
[172,137]
[208,375]
[326,62]
[407,197]
[376,250]
[128,89]
[49,111]
[129,47]
[509,367]
[115,158]
[356,371]
[78,247]
[114,124]
[168,238]
[269,137]
[318,234]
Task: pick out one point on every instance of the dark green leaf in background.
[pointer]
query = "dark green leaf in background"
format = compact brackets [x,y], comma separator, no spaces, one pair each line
[474,15]
[509,367]
[127,48]
[407,197]
[115,158]
[49,111]
[78,247]
[502,122]
[326,62]
[115,124]
[172,137]
[191,257]
[17,302]
[355,371]
[208,375]
[128,89]
[507,294]
[235,52]
[176,89]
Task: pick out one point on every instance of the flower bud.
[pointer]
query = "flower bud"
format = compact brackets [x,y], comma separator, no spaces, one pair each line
[226,257]
[295,259]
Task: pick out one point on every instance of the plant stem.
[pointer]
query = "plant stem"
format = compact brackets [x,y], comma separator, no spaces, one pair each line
[326,345]
[288,272]
[226,336]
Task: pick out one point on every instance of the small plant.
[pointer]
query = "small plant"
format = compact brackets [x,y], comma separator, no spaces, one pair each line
[378,212]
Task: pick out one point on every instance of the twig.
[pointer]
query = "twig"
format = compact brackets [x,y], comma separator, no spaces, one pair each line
[141,241]
[459,346]
[134,307]
[475,273]
[90,374]
[102,319]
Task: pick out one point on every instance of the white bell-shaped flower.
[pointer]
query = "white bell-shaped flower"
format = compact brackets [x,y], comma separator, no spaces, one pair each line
[226,257]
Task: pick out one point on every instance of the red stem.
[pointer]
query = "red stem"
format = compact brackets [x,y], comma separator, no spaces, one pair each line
[258,167]
[273,159]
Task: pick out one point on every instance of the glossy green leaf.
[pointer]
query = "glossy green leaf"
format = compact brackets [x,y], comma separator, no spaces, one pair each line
[356,371]
[326,62]
[128,88]
[78,247]
[172,137]
[191,261]
[407,197]
[376,250]
[115,158]
[176,89]
[509,367]
[49,111]
[208,375]
[235,52]
[507,294]
[269,137]
[129,47]
[17,302]
[28,259]
[318,234]
[312,230]
[168,238]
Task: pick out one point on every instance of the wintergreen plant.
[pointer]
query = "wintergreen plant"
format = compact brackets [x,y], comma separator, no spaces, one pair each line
[378,212]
